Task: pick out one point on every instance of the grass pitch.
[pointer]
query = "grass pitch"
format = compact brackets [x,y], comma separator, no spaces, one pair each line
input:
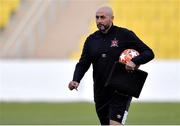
[84,113]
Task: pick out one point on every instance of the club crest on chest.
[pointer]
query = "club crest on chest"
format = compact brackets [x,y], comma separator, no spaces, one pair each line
[114,43]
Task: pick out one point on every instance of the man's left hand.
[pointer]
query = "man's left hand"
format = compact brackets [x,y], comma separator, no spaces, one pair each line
[130,66]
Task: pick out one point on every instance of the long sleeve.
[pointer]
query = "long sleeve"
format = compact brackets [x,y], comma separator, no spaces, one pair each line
[83,65]
[146,53]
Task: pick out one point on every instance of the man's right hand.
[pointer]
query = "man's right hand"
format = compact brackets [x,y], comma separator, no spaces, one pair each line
[73,85]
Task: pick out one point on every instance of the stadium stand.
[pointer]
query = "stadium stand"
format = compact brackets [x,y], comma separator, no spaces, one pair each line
[14,39]
[52,32]
[155,22]
[7,8]
[19,10]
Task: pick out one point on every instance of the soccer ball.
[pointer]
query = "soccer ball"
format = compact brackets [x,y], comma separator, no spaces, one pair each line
[127,55]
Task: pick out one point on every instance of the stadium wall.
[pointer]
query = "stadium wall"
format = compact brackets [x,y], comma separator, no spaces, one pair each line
[47,81]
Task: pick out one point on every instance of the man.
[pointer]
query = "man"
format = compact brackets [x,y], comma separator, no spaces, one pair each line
[102,49]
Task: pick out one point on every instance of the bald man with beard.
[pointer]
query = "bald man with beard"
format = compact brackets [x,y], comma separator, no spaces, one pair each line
[102,50]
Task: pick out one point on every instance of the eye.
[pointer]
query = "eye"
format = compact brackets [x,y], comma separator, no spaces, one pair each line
[101,17]
[97,17]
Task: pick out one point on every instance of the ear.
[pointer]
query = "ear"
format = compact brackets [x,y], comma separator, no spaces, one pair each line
[112,18]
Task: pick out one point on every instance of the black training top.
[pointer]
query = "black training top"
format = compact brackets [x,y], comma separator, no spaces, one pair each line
[102,50]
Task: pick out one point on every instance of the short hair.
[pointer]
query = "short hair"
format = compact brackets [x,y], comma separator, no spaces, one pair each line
[107,10]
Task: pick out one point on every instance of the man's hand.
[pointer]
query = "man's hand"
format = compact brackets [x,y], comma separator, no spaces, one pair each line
[130,66]
[73,85]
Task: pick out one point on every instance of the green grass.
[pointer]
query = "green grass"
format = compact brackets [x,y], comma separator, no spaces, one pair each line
[84,113]
[154,113]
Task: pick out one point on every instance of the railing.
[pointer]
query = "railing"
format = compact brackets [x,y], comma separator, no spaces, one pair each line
[32,30]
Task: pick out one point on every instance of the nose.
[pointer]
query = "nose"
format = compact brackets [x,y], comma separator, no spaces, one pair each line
[98,20]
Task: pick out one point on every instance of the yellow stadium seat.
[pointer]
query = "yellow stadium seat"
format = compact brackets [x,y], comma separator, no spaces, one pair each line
[7,7]
[4,13]
[13,5]
[156,22]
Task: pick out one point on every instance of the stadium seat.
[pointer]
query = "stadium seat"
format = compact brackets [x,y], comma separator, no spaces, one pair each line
[155,22]
[7,7]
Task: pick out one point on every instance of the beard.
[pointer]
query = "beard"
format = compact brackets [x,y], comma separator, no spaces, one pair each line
[102,27]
